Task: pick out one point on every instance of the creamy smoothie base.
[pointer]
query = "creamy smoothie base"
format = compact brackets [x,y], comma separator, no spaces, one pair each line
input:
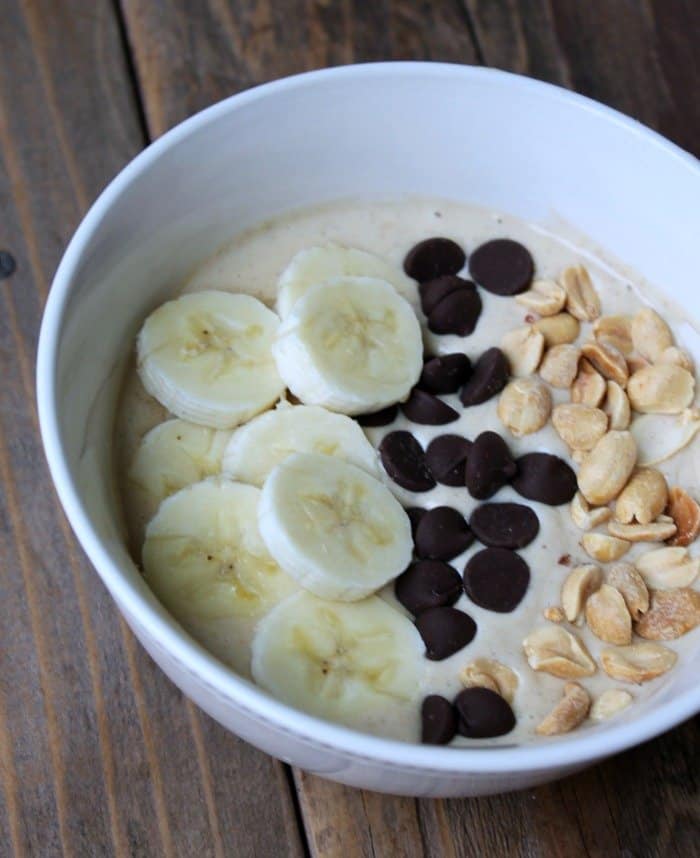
[252,265]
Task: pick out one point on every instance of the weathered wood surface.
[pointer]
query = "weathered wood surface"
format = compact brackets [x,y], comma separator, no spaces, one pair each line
[99,754]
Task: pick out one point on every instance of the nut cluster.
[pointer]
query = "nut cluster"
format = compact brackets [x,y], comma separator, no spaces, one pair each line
[627,371]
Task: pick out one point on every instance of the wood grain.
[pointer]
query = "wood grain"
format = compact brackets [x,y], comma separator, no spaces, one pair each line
[99,754]
[186,63]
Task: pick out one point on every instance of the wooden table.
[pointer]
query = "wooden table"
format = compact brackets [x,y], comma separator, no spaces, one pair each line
[99,753]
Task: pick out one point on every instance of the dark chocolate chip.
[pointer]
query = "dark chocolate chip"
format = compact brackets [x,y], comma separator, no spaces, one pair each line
[442,534]
[428,584]
[438,719]
[496,579]
[445,631]
[483,714]
[502,266]
[379,418]
[7,264]
[457,314]
[415,514]
[489,466]
[446,458]
[489,376]
[404,460]
[546,478]
[433,291]
[445,374]
[422,407]
[503,525]
[432,258]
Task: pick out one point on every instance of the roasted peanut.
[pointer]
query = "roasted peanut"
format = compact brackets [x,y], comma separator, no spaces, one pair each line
[562,328]
[544,297]
[579,426]
[617,406]
[560,365]
[637,662]
[650,334]
[685,511]
[580,583]
[553,650]
[609,704]
[643,498]
[663,388]
[603,547]
[615,331]
[625,578]
[571,710]
[589,386]
[607,467]
[523,347]
[582,300]
[672,614]
[607,616]
[524,406]
[668,568]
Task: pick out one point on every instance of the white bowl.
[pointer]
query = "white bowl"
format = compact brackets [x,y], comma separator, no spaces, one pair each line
[387,129]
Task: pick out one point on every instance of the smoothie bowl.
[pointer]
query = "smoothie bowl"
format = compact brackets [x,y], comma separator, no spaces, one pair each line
[382,436]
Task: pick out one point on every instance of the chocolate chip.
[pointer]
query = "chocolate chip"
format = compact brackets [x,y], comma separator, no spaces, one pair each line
[457,314]
[422,407]
[379,418]
[446,458]
[442,534]
[503,525]
[7,264]
[489,376]
[502,266]
[496,579]
[404,460]
[483,714]
[415,514]
[432,258]
[445,631]
[489,466]
[428,584]
[546,478]
[433,291]
[438,719]
[445,374]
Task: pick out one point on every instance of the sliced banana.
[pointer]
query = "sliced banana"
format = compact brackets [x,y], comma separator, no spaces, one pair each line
[359,664]
[207,358]
[170,456]
[256,448]
[352,345]
[205,560]
[328,262]
[337,531]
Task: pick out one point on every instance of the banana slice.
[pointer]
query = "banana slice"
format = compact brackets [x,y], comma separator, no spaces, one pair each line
[352,345]
[337,531]
[172,455]
[320,264]
[206,357]
[256,448]
[205,560]
[360,664]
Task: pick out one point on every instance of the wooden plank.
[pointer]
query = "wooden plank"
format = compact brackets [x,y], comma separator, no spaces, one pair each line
[186,62]
[99,753]
[635,55]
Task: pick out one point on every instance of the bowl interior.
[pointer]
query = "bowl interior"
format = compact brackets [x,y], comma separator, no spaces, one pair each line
[466,134]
